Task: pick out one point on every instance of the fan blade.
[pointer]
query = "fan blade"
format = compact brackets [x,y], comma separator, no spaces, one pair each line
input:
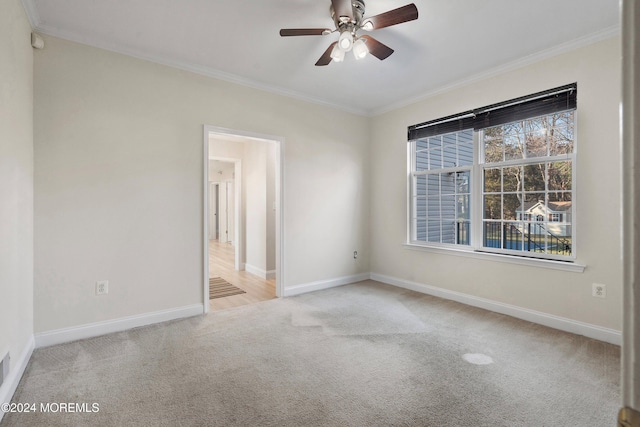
[287,32]
[377,49]
[325,59]
[393,17]
[342,8]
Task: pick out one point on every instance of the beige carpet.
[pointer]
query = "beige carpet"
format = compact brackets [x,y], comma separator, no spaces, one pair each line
[220,288]
[359,355]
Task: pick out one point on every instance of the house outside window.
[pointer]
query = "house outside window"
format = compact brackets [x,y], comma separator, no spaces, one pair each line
[482,182]
[441,185]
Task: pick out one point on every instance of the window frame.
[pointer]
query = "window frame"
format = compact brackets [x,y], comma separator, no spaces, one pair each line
[476,219]
[411,206]
[478,197]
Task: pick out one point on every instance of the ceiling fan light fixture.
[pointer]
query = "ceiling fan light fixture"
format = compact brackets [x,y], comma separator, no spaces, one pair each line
[349,17]
[337,54]
[345,41]
[367,26]
[360,49]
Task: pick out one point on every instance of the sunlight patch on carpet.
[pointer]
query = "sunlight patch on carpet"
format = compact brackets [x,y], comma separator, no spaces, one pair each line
[477,359]
[369,314]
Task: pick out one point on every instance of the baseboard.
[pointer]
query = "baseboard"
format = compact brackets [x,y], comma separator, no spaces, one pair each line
[15,375]
[256,271]
[568,325]
[60,336]
[324,284]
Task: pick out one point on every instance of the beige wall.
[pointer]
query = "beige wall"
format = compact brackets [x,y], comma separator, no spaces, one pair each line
[596,68]
[118,183]
[16,184]
[220,171]
[259,225]
[271,211]
[255,199]
[118,186]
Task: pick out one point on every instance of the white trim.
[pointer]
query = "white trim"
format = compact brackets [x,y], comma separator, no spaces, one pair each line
[324,284]
[11,382]
[409,181]
[191,67]
[519,63]
[504,258]
[36,24]
[90,330]
[228,77]
[280,242]
[475,248]
[32,13]
[205,222]
[264,274]
[257,271]
[254,270]
[575,218]
[562,323]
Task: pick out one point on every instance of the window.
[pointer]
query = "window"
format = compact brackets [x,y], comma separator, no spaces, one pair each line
[497,179]
[555,217]
[441,179]
[527,167]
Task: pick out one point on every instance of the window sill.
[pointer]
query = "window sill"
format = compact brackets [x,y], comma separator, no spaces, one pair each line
[509,259]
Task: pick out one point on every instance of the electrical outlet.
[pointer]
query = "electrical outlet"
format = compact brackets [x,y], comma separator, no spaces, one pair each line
[355,254]
[599,290]
[102,287]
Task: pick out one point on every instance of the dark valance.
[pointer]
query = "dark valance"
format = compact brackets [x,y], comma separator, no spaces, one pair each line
[551,101]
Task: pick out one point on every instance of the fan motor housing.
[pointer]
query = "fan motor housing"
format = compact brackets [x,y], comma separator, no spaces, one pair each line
[358,14]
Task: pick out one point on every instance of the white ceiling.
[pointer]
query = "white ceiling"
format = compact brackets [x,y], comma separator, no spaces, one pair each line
[452,41]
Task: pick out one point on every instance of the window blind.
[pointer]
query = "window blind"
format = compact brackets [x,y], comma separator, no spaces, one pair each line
[441,126]
[539,104]
[550,101]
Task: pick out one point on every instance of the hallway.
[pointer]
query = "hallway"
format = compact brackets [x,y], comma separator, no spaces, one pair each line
[221,264]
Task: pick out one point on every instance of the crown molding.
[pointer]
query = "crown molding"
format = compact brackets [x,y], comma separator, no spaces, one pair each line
[29,6]
[510,66]
[193,68]
[30,9]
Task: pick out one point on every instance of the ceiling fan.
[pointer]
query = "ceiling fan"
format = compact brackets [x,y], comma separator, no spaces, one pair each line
[348,16]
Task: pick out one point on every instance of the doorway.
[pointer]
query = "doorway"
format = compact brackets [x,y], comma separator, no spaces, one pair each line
[235,243]
[222,183]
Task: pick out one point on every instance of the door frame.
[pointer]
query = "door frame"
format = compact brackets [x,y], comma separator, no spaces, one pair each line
[213,188]
[279,178]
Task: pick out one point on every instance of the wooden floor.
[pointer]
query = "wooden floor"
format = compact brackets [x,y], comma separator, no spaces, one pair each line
[221,264]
